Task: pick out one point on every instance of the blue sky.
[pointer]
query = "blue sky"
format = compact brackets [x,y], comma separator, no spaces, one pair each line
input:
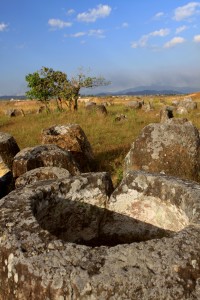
[129,42]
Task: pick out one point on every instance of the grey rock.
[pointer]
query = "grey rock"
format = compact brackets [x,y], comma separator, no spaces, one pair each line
[38,174]
[171,148]
[71,137]
[166,113]
[120,117]
[181,110]
[188,104]
[134,104]
[39,258]
[98,108]
[14,112]
[43,156]
[8,149]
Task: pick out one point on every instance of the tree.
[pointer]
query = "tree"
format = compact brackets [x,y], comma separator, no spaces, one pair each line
[83,81]
[40,87]
[46,84]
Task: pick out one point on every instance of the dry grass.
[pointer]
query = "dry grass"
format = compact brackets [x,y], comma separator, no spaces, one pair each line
[110,140]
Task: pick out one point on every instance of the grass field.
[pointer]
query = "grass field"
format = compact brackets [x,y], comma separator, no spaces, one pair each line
[109,139]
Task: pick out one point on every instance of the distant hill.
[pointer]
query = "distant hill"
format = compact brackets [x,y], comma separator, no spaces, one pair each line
[6,97]
[154,90]
[140,90]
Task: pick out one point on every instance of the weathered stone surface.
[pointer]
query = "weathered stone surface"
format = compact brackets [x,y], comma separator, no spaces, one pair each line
[38,261]
[175,102]
[6,183]
[43,156]
[120,117]
[156,204]
[8,149]
[148,106]
[89,105]
[171,148]
[134,104]
[188,103]
[41,109]
[93,107]
[38,174]
[166,113]
[71,137]
[14,112]
[181,110]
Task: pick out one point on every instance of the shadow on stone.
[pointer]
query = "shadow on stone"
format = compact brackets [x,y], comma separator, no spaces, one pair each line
[86,224]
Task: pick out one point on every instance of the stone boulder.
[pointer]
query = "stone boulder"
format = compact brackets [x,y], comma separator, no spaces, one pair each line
[38,174]
[41,109]
[51,245]
[15,112]
[171,148]
[6,183]
[156,205]
[175,102]
[134,104]
[120,117]
[98,108]
[188,103]
[8,149]
[90,105]
[71,137]
[166,113]
[181,110]
[43,156]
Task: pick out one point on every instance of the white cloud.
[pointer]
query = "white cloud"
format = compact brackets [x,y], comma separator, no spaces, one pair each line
[141,43]
[197,38]
[3,26]
[181,28]
[125,25]
[144,39]
[173,42]
[70,12]
[186,11]
[92,15]
[78,34]
[159,15]
[99,33]
[161,32]
[56,23]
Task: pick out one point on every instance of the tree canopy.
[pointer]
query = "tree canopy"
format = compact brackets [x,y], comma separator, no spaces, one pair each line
[47,84]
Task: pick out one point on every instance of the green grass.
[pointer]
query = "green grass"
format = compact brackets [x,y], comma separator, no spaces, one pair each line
[109,139]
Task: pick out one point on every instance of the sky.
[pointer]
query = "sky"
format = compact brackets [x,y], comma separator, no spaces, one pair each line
[130,43]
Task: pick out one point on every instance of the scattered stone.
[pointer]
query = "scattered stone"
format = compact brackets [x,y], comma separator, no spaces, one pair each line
[8,149]
[175,102]
[6,183]
[181,110]
[43,156]
[134,104]
[101,109]
[120,117]
[90,105]
[41,109]
[93,107]
[171,148]
[43,173]
[166,113]
[71,137]
[14,112]
[148,107]
[188,103]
